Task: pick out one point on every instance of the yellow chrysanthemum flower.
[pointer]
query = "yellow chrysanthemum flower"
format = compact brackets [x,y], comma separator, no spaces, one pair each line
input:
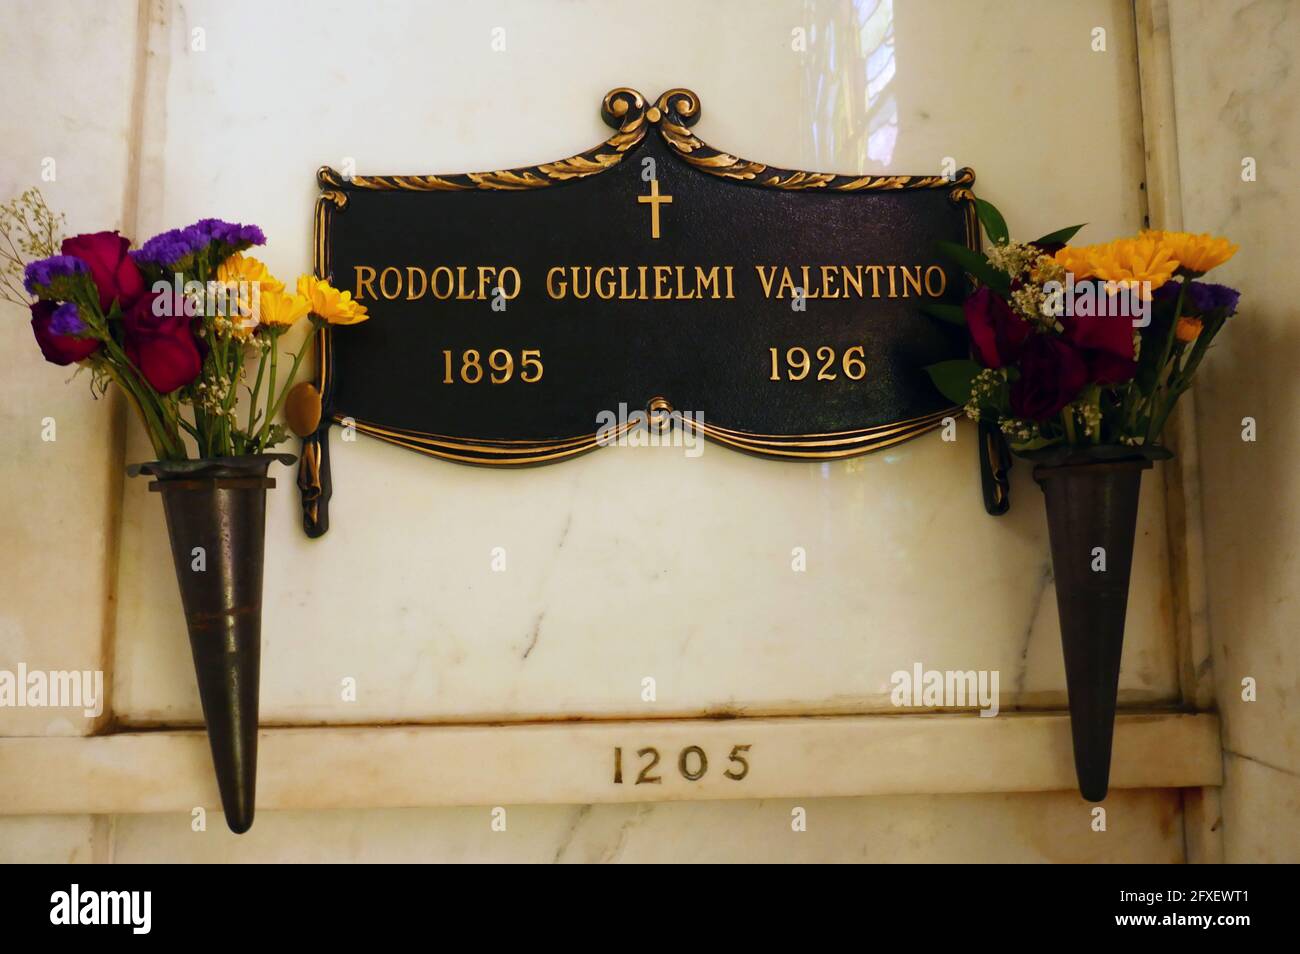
[1196,254]
[330,304]
[1076,259]
[1133,260]
[278,310]
[244,268]
[244,279]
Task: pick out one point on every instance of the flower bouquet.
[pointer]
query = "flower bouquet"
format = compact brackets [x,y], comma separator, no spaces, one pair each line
[177,324]
[1079,355]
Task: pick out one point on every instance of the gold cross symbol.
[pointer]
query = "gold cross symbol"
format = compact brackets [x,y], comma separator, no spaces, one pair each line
[654,198]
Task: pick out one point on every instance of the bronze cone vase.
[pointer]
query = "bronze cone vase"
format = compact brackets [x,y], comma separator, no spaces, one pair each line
[1092,520]
[216,521]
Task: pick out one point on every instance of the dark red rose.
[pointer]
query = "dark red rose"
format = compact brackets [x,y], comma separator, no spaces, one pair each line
[1052,373]
[1107,345]
[111,267]
[998,333]
[1106,368]
[58,349]
[161,346]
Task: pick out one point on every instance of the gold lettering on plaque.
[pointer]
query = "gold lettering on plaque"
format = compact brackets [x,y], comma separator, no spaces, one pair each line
[463,283]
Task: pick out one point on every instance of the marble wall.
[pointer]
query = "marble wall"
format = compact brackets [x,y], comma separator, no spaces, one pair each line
[1146,827]
[1235,91]
[66,130]
[606,586]
[628,562]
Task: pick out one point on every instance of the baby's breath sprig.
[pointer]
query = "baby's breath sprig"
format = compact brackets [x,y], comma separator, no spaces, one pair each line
[1090,416]
[1018,431]
[1013,258]
[1047,269]
[1036,307]
[986,389]
[29,229]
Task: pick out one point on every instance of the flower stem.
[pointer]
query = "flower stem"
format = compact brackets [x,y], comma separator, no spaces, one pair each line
[163,433]
[131,395]
[1067,419]
[270,394]
[1161,387]
[253,395]
[288,382]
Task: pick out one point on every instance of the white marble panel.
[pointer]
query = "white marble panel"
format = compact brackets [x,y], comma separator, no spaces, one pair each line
[1235,91]
[639,760]
[1143,826]
[1261,804]
[53,839]
[66,113]
[633,563]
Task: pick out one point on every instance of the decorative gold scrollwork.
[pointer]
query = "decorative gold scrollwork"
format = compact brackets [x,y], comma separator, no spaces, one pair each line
[800,180]
[680,108]
[622,108]
[627,112]
[699,154]
[327,176]
[682,103]
[964,194]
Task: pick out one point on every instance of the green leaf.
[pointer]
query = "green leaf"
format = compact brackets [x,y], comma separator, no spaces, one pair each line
[949,313]
[977,266]
[953,378]
[1060,235]
[994,224]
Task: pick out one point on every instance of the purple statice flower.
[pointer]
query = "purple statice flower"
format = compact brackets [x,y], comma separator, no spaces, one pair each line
[1209,297]
[166,248]
[1202,297]
[45,271]
[66,320]
[169,248]
[228,233]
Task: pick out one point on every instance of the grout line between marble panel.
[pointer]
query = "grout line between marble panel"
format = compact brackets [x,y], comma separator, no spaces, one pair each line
[1149,712]
[116,483]
[1203,837]
[103,839]
[1181,475]
[135,136]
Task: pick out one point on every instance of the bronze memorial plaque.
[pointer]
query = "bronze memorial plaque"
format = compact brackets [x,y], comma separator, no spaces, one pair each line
[654,282]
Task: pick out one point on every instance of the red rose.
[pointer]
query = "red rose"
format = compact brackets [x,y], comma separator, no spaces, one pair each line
[58,349]
[1107,345]
[998,333]
[1052,374]
[111,267]
[161,346]
[1106,368]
